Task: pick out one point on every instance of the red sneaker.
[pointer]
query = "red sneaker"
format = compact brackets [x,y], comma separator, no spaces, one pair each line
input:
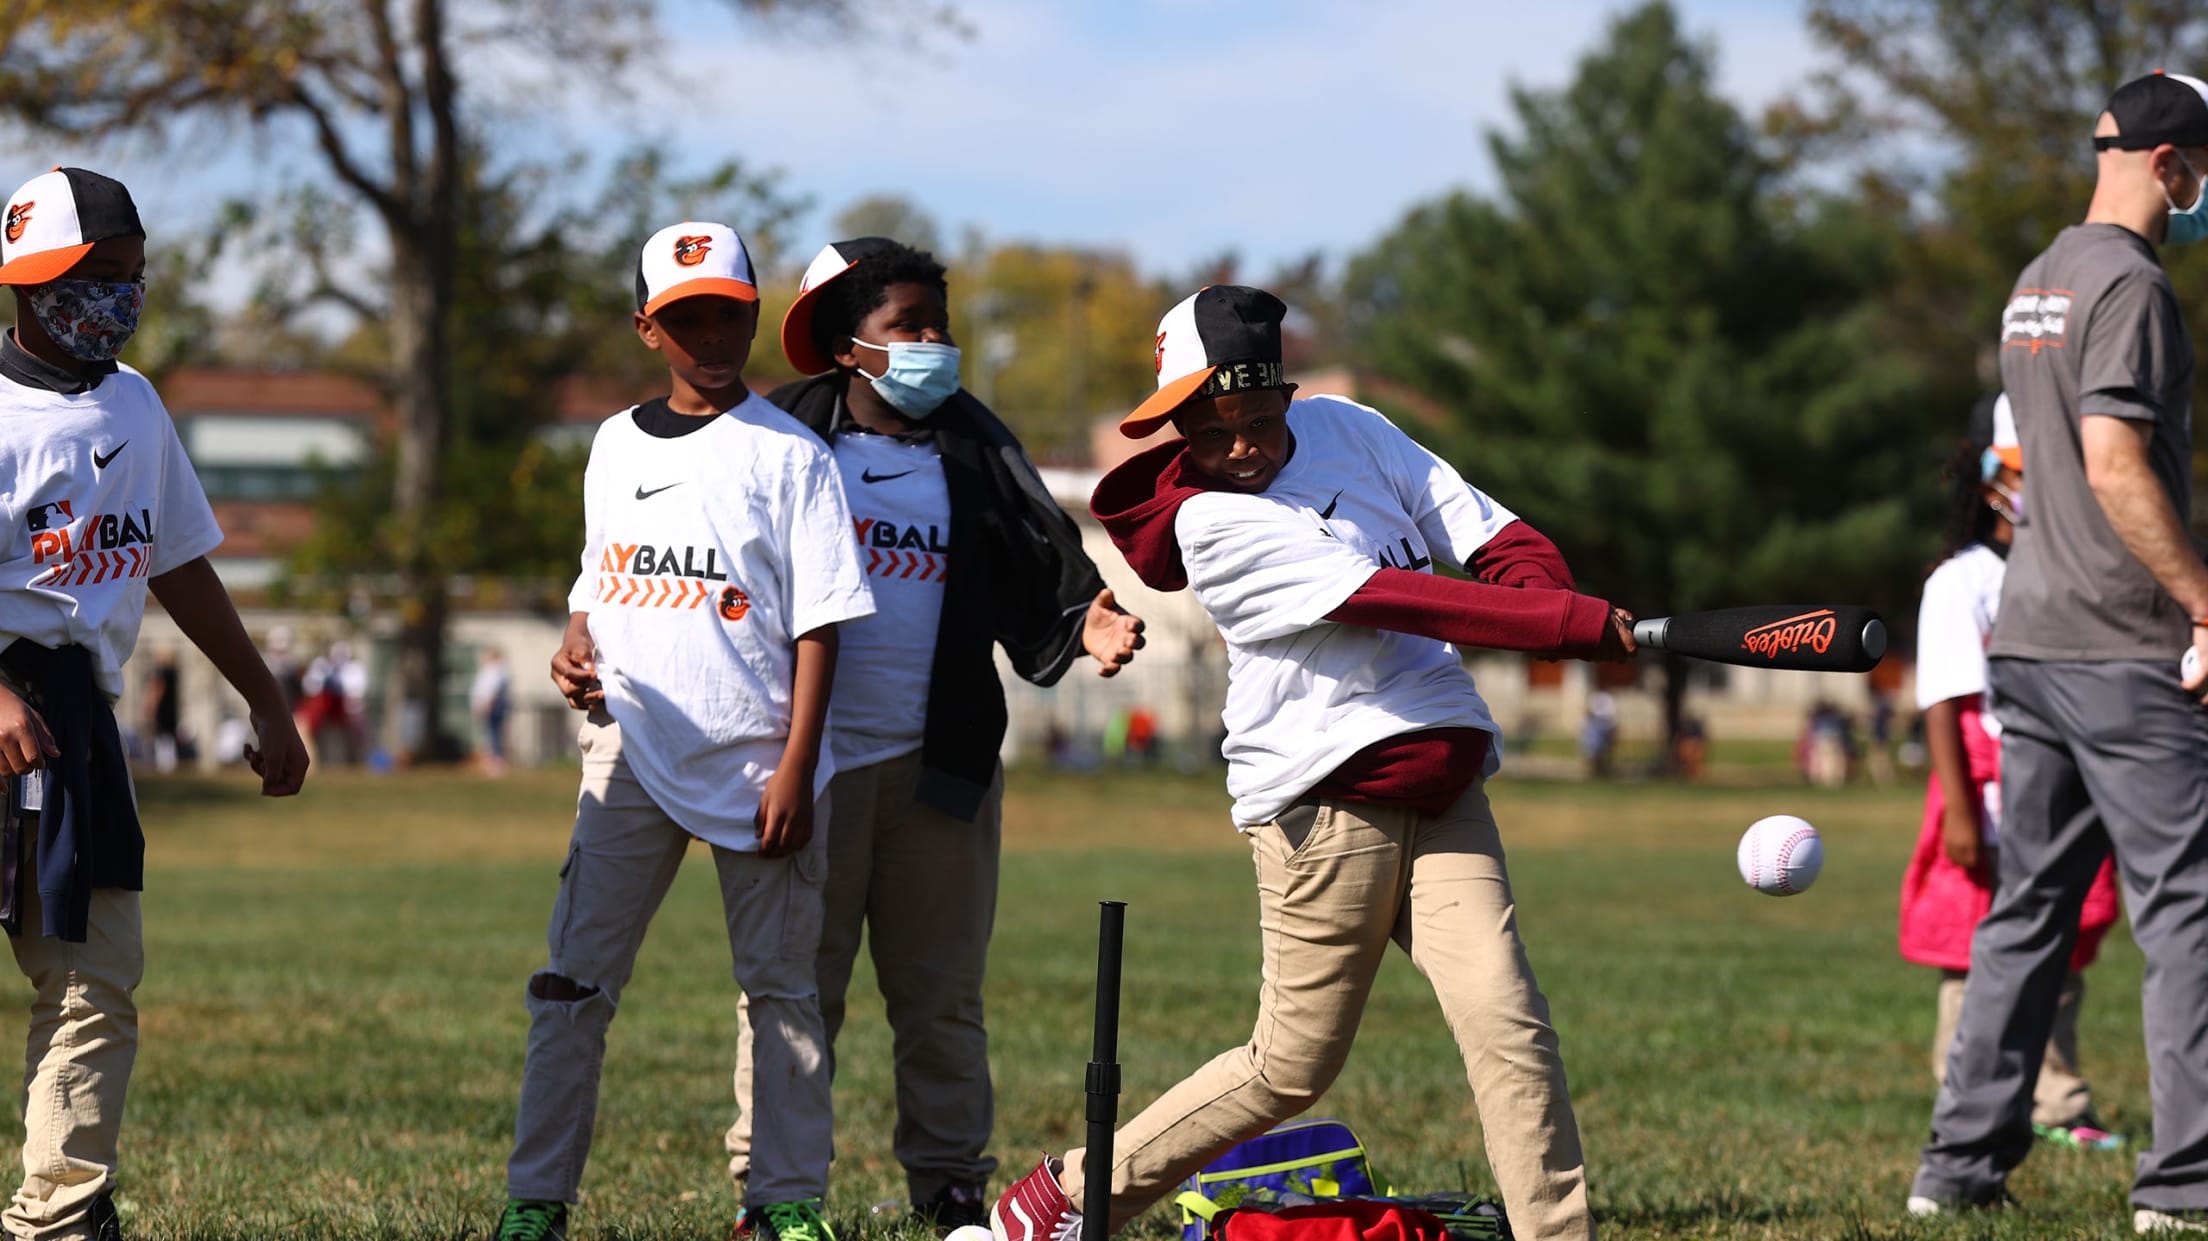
[1036,1209]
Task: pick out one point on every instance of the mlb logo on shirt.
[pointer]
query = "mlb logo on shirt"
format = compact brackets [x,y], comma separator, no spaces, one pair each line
[42,516]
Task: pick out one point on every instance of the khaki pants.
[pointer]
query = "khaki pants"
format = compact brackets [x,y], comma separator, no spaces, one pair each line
[1336,884]
[83,1042]
[922,888]
[2062,1097]
[623,858]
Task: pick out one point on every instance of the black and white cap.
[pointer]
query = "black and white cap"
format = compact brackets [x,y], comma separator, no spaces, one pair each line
[799,344]
[56,219]
[2158,108]
[693,259]
[1223,338]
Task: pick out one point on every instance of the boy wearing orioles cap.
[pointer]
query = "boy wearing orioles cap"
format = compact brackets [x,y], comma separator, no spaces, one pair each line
[103,508]
[717,564]
[966,553]
[1357,748]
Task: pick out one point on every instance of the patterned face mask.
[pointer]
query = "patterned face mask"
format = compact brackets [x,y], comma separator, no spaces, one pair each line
[91,319]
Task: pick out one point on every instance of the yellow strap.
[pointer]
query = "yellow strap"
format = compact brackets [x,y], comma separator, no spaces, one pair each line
[1195,1204]
[1326,1187]
[1228,1174]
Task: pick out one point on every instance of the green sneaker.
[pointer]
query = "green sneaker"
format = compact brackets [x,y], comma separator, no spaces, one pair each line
[789,1221]
[532,1221]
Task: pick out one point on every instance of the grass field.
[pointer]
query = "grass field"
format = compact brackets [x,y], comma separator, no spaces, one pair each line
[333,1023]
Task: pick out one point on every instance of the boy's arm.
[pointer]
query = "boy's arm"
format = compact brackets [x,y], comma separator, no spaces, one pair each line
[1520,555]
[786,806]
[1503,618]
[196,600]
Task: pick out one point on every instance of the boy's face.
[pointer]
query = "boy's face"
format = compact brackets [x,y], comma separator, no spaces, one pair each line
[116,260]
[910,311]
[706,339]
[1240,439]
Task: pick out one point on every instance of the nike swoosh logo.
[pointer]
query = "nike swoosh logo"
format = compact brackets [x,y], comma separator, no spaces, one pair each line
[869,476]
[642,494]
[100,462]
[1328,511]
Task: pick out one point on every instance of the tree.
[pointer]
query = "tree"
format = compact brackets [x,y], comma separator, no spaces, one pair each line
[374,86]
[2007,90]
[888,215]
[1656,353]
[1055,337]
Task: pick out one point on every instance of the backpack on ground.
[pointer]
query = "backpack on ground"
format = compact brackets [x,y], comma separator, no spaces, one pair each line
[1316,1158]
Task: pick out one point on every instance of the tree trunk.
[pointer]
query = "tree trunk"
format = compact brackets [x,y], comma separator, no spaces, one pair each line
[418,354]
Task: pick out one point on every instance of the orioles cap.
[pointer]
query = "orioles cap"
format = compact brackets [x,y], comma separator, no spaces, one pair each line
[56,219]
[692,259]
[1222,338]
[799,344]
[2005,447]
[2158,108]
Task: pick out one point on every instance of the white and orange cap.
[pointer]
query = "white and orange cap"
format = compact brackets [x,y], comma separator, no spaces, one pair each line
[56,218]
[1222,338]
[799,343]
[693,259]
[2005,445]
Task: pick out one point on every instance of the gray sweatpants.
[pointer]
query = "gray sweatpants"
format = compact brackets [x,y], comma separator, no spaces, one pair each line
[2094,756]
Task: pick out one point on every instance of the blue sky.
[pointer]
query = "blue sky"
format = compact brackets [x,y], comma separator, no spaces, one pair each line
[1170,129]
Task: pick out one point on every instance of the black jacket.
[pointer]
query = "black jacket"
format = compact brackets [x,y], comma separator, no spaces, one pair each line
[1018,578]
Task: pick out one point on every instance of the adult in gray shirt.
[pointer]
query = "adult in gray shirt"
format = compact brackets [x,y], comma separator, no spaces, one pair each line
[2102,748]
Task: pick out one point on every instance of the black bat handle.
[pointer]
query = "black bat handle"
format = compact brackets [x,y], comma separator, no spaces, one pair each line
[1103,1080]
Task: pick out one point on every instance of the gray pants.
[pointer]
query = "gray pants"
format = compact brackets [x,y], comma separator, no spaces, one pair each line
[2094,756]
[623,857]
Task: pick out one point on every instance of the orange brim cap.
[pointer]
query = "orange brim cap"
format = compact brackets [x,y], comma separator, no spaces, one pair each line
[1159,408]
[45,265]
[797,326]
[2011,456]
[703,286]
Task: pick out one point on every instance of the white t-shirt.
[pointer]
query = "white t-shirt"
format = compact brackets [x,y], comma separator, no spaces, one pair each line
[705,557]
[1305,693]
[901,508]
[99,498]
[1955,624]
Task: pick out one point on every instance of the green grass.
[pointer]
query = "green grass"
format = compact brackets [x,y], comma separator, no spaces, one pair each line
[333,1022]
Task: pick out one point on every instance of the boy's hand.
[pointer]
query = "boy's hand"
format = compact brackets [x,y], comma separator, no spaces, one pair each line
[785,817]
[1109,634]
[1617,641]
[281,762]
[25,743]
[575,669]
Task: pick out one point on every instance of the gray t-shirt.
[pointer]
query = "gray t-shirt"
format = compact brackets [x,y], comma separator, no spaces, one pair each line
[2091,328]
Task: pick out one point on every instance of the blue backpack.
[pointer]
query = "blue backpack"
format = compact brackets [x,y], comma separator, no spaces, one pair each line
[1317,1158]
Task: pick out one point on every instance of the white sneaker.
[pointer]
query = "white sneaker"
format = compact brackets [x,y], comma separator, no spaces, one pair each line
[1927,1206]
[2147,1219]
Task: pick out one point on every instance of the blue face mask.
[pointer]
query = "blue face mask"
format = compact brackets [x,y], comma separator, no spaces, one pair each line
[2188,224]
[921,375]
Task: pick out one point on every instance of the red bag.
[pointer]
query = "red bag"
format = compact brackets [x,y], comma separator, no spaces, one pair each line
[1347,1219]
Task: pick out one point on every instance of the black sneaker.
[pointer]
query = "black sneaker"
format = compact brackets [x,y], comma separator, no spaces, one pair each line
[956,1205]
[107,1223]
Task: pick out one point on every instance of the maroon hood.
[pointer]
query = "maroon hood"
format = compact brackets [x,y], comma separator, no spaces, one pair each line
[1137,501]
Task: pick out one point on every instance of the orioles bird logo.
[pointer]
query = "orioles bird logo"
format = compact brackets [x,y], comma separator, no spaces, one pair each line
[1161,353]
[19,215]
[734,603]
[691,251]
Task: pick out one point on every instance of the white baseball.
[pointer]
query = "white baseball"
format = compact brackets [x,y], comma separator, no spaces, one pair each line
[2189,665]
[970,1232]
[1781,855]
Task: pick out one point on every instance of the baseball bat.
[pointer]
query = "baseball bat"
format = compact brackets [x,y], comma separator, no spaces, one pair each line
[1805,637]
[1103,1075]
